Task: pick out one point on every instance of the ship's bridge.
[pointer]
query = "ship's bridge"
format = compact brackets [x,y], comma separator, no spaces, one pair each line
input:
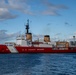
[20,40]
[23,40]
[20,37]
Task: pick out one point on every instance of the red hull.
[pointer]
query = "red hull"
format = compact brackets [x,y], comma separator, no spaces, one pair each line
[20,49]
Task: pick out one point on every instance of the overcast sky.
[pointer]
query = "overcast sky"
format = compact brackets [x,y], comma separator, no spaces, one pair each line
[54,17]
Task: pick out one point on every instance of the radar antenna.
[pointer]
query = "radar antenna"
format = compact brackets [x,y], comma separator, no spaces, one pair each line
[27,26]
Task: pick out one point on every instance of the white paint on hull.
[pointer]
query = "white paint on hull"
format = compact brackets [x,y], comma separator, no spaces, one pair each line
[12,49]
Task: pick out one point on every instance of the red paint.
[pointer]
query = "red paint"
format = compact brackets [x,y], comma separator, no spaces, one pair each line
[20,49]
[4,49]
[43,50]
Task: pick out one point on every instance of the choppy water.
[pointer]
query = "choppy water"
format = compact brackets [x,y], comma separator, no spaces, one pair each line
[38,64]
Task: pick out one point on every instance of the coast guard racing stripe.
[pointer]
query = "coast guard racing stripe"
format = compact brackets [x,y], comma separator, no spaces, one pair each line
[12,49]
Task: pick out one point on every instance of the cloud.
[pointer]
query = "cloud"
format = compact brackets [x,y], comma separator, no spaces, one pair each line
[52,9]
[49,12]
[70,38]
[38,36]
[25,6]
[67,24]
[20,5]
[4,36]
[74,33]
[14,5]
[57,34]
[5,14]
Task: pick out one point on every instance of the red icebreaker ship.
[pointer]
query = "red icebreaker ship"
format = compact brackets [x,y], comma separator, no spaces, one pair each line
[24,44]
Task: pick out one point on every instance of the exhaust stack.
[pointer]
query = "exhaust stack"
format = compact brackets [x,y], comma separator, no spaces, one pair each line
[46,38]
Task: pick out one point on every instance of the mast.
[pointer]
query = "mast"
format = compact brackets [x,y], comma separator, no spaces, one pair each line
[74,38]
[27,27]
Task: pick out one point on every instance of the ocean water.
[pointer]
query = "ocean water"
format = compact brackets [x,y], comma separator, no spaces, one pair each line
[38,64]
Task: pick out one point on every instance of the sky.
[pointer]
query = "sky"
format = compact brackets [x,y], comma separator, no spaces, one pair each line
[56,18]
